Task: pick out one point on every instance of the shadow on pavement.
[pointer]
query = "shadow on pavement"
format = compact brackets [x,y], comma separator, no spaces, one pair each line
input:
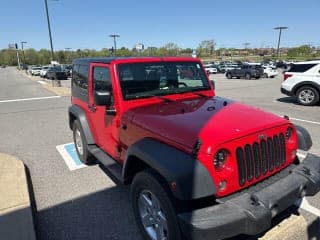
[291,100]
[314,230]
[105,214]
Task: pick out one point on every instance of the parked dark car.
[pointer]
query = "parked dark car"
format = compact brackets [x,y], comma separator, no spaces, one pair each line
[56,73]
[246,71]
[281,64]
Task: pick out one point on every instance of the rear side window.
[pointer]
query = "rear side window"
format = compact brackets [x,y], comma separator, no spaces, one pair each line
[80,81]
[301,67]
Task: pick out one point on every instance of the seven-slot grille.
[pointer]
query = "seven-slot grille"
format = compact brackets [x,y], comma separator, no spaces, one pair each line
[260,158]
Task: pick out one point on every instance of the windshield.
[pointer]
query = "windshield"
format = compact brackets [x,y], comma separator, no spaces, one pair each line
[139,80]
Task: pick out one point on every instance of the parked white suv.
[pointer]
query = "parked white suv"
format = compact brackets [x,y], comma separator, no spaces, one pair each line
[269,72]
[43,72]
[35,71]
[210,69]
[303,81]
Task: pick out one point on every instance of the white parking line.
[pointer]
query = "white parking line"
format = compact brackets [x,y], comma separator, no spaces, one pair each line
[302,156]
[302,120]
[42,82]
[28,99]
[305,205]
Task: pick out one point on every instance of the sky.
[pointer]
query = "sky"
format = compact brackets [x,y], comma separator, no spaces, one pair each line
[80,24]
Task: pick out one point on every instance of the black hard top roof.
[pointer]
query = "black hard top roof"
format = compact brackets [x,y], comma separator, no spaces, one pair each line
[110,59]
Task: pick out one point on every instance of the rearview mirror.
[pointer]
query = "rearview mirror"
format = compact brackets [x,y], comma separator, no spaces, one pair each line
[102,98]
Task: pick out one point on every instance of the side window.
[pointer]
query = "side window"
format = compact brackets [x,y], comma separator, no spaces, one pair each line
[301,67]
[75,75]
[83,76]
[80,82]
[101,79]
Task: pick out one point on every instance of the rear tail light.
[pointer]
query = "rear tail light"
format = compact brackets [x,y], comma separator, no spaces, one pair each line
[286,76]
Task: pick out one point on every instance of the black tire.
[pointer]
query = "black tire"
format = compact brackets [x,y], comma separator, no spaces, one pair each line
[84,155]
[247,76]
[229,76]
[265,75]
[307,95]
[149,182]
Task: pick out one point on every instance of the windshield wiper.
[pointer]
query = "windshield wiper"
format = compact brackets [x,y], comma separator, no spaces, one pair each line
[147,95]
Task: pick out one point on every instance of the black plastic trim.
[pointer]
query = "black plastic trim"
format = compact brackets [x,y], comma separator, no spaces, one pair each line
[192,179]
[304,138]
[286,92]
[304,83]
[252,213]
[75,112]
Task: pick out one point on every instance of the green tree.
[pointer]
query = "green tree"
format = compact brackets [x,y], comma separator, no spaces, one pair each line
[206,48]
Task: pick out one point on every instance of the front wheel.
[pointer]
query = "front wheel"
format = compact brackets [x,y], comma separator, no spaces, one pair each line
[153,207]
[229,76]
[307,96]
[265,75]
[248,76]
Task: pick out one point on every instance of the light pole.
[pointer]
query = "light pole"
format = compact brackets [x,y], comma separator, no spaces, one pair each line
[67,51]
[246,44]
[114,36]
[280,30]
[57,82]
[24,57]
[49,29]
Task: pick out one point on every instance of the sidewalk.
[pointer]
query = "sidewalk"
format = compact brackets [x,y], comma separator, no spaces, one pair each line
[16,222]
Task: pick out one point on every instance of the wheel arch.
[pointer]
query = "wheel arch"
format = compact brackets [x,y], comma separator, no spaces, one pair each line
[76,113]
[304,84]
[186,177]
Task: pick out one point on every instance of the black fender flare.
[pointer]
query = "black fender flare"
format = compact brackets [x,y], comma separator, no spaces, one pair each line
[75,112]
[304,138]
[189,176]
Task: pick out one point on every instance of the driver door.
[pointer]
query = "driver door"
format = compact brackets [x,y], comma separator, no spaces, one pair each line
[103,118]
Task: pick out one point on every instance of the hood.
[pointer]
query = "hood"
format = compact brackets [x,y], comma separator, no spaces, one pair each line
[213,121]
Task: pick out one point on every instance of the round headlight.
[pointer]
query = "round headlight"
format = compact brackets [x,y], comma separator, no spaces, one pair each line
[289,133]
[220,159]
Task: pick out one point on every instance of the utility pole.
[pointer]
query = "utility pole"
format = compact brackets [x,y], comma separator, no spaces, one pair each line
[17,51]
[246,44]
[57,82]
[280,30]
[114,36]
[67,55]
[49,29]
[24,57]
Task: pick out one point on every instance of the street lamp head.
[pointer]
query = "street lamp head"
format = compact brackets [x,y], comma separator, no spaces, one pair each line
[278,28]
[114,35]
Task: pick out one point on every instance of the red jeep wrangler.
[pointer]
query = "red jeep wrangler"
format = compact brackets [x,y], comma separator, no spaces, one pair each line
[200,166]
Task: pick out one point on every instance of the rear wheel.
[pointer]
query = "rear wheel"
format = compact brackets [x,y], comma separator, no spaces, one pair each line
[80,144]
[229,76]
[307,95]
[247,76]
[153,207]
[265,75]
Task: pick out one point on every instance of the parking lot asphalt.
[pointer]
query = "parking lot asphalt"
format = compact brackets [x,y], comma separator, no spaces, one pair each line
[86,203]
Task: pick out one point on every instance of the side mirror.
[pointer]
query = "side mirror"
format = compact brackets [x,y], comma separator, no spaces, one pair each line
[102,98]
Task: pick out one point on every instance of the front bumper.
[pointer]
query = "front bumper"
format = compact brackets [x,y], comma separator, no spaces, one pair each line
[286,92]
[251,213]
